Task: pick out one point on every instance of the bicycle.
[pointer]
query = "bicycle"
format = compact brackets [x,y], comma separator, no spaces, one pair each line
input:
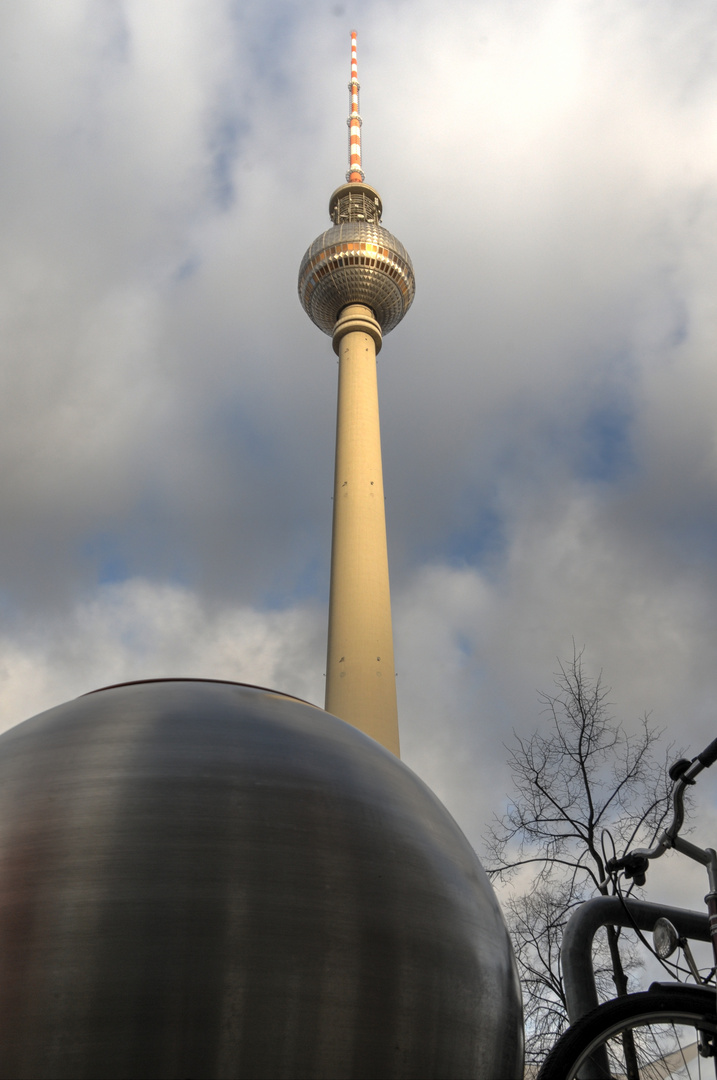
[670,1030]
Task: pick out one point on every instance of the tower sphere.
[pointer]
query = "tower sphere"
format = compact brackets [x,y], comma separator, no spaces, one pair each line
[356,261]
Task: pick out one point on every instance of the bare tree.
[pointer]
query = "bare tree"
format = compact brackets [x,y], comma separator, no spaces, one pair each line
[582,778]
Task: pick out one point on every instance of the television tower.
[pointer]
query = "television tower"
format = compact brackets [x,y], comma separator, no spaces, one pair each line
[356,283]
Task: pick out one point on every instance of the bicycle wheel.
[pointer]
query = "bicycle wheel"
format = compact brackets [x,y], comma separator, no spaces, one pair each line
[668,1026]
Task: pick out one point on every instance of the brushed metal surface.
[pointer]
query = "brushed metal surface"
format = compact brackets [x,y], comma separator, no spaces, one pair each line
[203,879]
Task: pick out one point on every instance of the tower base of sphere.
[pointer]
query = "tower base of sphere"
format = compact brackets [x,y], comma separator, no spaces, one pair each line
[206,879]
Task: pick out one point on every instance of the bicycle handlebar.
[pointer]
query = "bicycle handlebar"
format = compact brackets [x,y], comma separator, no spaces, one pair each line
[709,755]
[635,862]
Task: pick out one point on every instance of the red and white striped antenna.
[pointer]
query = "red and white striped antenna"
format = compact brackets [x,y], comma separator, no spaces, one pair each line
[355,173]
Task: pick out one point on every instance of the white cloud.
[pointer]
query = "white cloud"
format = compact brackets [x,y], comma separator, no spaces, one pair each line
[138,629]
[167,412]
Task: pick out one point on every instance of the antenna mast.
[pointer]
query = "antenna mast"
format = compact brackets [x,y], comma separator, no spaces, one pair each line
[355,173]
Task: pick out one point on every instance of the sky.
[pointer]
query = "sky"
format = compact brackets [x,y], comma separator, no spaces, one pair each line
[167,410]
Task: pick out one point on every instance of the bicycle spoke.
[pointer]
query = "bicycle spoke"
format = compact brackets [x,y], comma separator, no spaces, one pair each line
[663,1032]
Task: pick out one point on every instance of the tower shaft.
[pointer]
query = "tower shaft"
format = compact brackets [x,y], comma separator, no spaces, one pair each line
[360,673]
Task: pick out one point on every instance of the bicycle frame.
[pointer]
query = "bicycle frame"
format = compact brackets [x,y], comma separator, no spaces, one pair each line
[576,953]
[708,858]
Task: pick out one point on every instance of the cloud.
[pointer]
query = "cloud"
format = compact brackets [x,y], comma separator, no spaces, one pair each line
[167,410]
[138,629]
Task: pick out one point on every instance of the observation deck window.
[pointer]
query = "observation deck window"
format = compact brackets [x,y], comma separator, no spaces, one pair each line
[356,206]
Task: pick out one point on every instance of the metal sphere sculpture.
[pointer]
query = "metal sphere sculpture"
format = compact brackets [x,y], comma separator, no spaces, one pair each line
[208,879]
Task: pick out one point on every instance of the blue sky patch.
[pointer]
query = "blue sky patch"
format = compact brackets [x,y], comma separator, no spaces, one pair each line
[606,452]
